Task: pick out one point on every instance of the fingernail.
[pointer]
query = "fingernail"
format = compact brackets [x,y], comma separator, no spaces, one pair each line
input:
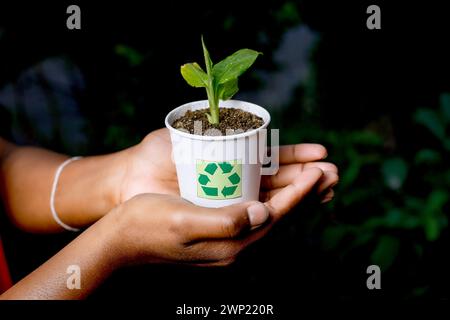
[327,200]
[257,214]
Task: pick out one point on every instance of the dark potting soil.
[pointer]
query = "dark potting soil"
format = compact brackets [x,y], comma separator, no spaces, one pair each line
[230,118]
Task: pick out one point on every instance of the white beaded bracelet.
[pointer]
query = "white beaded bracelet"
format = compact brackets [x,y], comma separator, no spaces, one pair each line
[52,195]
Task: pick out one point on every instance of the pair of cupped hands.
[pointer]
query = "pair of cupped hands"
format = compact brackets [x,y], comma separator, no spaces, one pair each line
[154,224]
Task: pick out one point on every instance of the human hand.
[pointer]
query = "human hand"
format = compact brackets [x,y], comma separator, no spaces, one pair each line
[149,168]
[155,228]
[294,161]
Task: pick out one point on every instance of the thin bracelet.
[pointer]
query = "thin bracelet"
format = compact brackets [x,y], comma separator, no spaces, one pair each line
[52,195]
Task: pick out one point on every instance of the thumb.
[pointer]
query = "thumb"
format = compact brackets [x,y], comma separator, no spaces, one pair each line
[254,212]
[292,194]
[226,222]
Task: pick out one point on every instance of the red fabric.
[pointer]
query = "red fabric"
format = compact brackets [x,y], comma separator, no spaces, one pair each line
[5,278]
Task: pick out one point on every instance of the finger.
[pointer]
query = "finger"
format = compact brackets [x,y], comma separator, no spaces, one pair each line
[222,223]
[324,166]
[328,196]
[223,252]
[285,175]
[292,194]
[304,152]
[328,180]
[265,196]
[328,193]
[289,172]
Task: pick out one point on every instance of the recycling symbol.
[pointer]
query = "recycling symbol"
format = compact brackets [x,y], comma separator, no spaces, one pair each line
[219,180]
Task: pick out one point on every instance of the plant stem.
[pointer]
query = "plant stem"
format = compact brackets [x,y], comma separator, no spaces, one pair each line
[213,105]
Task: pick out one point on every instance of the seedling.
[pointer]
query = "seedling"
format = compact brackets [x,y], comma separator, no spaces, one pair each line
[221,79]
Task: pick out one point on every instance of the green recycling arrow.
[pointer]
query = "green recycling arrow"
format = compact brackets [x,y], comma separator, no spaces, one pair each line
[234,178]
[228,191]
[219,180]
[211,168]
[210,191]
[203,179]
[226,167]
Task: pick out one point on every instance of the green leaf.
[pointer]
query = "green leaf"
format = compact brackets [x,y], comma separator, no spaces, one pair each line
[436,201]
[208,62]
[385,252]
[431,121]
[288,13]
[194,75]
[133,57]
[399,218]
[394,172]
[434,221]
[213,98]
[228,89]
[432,229]
[427,156]
[394,217]
[234,65]
[351,173]
[366,138]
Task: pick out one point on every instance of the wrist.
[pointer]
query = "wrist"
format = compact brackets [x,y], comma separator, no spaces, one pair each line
[107,233]
[111,169]
[117,238]
[89,188]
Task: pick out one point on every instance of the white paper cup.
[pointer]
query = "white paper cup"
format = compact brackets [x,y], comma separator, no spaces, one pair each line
[216,171]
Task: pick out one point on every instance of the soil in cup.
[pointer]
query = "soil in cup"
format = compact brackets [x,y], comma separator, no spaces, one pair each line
[230,118]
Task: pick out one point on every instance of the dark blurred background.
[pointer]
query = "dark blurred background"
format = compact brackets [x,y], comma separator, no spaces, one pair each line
[379,100]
